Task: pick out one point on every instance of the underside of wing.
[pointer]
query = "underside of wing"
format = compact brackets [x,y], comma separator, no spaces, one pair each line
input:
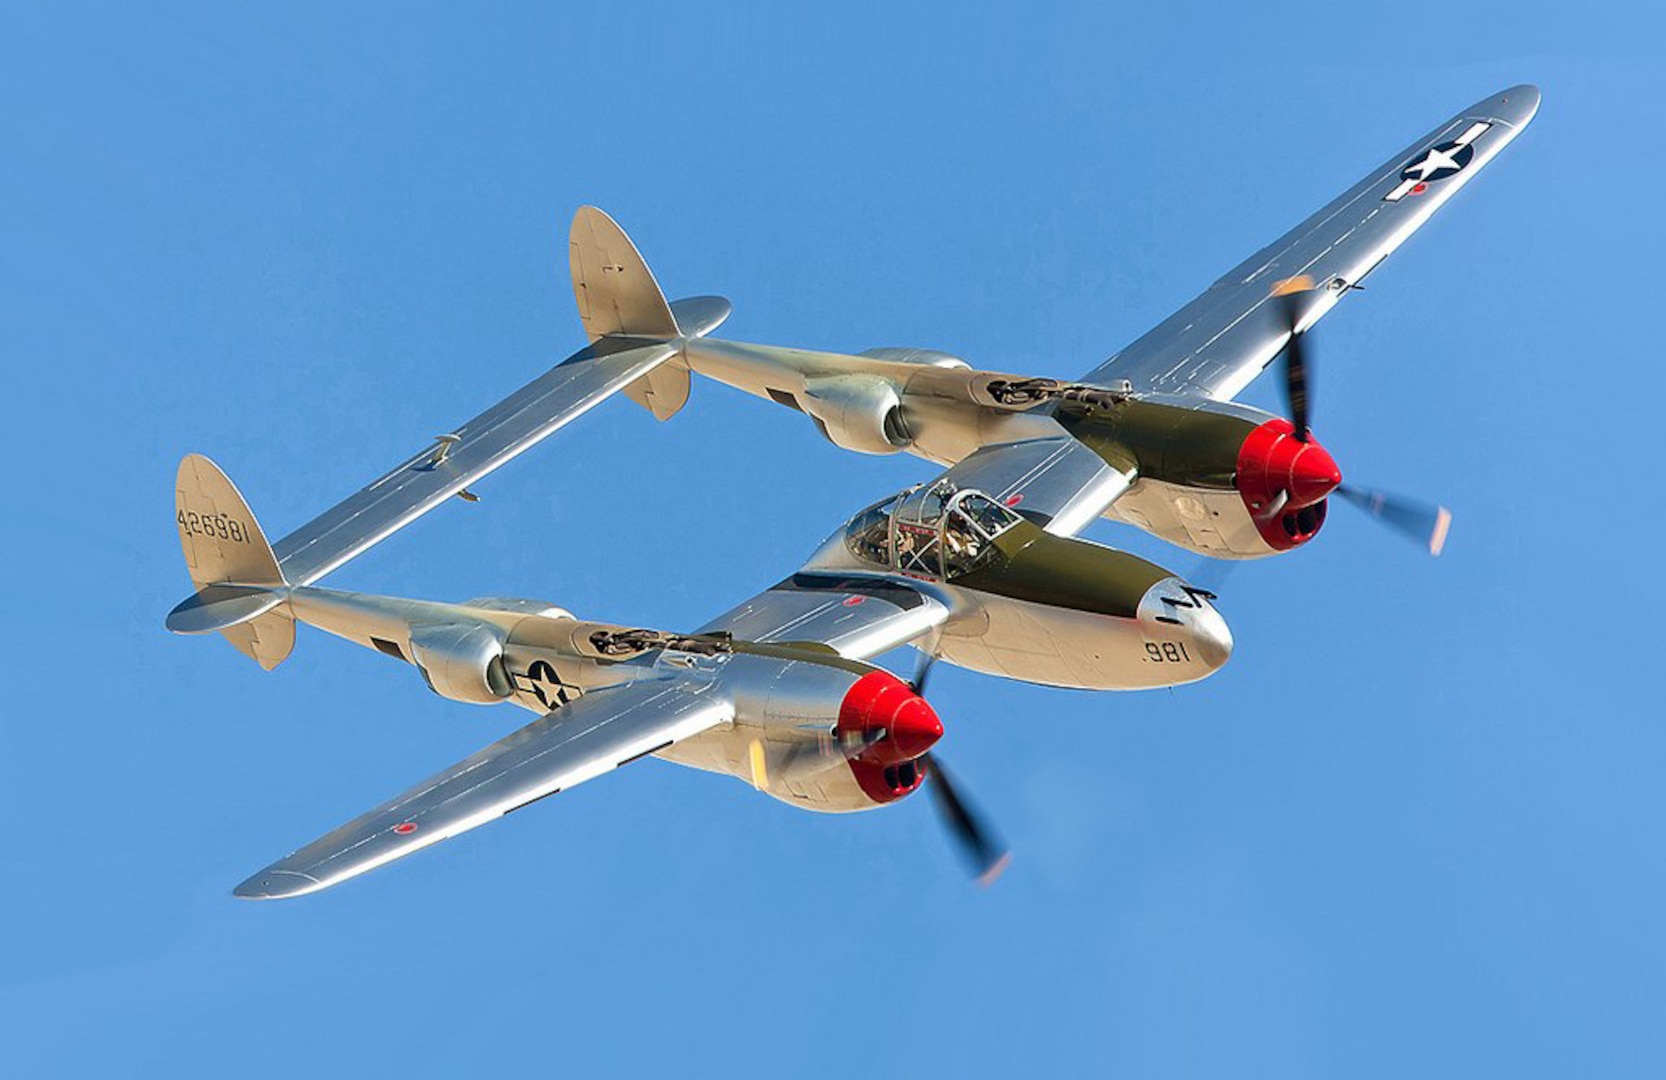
[1217,344]
[590,736]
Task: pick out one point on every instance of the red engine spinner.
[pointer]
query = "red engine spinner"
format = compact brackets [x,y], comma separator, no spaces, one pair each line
[1284,481]
[891,766]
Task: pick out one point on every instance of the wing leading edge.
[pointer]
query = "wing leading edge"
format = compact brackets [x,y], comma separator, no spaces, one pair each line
[1217,344]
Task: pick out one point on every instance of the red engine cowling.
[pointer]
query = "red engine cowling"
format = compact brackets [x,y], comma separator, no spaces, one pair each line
[902,726]
[1284,481]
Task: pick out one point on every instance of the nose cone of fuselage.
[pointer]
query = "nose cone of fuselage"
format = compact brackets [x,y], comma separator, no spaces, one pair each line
[1184,629]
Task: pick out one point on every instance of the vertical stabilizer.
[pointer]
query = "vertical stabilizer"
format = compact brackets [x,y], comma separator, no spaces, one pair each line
[616,292]
[223,543]
[240,589]
[618,297]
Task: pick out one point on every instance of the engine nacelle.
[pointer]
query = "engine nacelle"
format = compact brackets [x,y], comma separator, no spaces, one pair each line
[857,412]
[1215,477]
[462,662]
[925,357]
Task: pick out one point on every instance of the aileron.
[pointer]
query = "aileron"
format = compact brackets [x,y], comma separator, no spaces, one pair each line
[1219,342]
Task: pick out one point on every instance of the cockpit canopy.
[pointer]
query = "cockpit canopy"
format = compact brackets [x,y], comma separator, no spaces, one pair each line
[935,530]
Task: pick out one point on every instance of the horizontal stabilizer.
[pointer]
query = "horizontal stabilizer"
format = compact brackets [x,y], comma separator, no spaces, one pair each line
[219,607]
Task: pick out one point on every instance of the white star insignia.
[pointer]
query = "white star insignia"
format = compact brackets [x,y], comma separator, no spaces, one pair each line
[1436,160]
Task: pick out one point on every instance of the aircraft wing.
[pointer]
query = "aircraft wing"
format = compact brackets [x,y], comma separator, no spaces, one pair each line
[446,467]
[1217,344]
[585,738]
[856,615]
[1059,483]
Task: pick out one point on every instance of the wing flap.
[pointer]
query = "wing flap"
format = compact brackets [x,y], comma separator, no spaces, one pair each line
[590,736]
[1218,343]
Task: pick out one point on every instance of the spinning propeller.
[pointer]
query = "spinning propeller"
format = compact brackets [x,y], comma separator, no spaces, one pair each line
[904,735]
[988,855]
[1424,522]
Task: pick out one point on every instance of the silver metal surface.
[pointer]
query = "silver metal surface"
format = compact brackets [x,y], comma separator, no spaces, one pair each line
[1055,646]
[857,412]
[1220,341]
[461,661]
[698,316]
[859,615]
[496,436]
[755,693]
[591,736]
[1056,482]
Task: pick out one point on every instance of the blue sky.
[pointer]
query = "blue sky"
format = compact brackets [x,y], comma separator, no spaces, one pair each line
[1412,828]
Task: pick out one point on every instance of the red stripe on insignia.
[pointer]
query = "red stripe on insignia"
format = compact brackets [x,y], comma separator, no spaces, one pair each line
[405,828]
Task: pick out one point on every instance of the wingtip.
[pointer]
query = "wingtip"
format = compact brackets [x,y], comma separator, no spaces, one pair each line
[1515,106]
[277,885]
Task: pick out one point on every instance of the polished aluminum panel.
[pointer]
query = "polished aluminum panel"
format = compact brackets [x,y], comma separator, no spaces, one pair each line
[858,615]
[1058,483]
[1218,343]
[588,737]
[439,471]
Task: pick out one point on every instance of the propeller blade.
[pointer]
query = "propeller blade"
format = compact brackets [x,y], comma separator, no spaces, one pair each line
[922,671]
[1426,523]
[1287,294]
[1211,575]
[988,855]
[1295,384]
[829,749]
